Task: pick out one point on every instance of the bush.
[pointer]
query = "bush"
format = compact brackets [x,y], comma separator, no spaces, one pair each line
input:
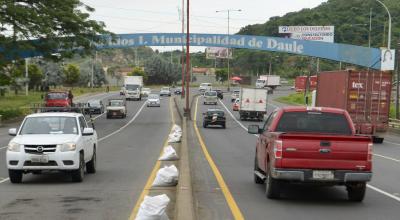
[11,113]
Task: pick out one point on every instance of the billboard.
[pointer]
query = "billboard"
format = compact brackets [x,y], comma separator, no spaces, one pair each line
[314,33]
[387,59]
[218,52]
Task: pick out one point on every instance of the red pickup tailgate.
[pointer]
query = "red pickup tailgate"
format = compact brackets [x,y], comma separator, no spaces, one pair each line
[306,151]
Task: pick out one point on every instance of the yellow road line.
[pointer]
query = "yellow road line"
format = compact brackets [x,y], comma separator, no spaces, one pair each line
[153,173]
[237,214]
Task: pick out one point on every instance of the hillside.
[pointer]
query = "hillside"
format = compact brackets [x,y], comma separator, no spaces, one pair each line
[351,21]
[350,18]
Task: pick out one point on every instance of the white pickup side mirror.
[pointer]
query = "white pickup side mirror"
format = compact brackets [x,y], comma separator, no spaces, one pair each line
[12,132]
[87,131]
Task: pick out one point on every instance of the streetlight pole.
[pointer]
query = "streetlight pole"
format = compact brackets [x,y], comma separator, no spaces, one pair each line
[390,24]
[229,11]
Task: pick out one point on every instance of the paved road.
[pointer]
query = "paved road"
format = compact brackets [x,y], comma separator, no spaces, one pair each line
[125,161]
[233,151]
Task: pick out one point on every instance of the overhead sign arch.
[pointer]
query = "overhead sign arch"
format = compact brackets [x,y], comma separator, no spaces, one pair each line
[363,56]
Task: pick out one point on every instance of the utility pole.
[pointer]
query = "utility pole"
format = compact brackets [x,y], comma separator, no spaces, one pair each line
[397,83]
[370,27]
[228,62]
[187,109]
[26,76]
[183,50]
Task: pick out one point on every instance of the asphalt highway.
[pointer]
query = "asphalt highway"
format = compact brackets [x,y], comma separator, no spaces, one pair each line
[232,150]
[128,150]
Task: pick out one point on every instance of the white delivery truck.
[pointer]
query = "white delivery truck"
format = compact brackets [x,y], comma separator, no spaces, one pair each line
[271,81]
[133,87]
[253,104]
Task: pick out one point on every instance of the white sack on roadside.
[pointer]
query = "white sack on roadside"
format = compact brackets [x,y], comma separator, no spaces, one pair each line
[153,208]
[174,137]
[169,153]
[166,176]
[176,128]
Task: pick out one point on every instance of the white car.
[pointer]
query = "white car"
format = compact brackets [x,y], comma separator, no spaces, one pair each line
[153,100]
[53,141]
[205,87]
[210,97]
[146,92]
[165,91]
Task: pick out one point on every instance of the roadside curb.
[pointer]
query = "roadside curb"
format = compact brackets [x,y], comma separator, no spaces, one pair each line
[184,208]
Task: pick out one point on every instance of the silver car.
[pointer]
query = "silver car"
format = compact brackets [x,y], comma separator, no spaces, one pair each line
[210,97]
[165,91]
[153,100]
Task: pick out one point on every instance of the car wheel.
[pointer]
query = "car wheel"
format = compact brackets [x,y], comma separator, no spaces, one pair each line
[224,125]
[91,165]
[37,172]
[356,191]
[77,175]
[204,125]
[204,103]
[15,176]
[272,188]
[257,179]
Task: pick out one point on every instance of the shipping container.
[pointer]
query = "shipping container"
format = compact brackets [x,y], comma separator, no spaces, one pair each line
[300,83]
[364,94]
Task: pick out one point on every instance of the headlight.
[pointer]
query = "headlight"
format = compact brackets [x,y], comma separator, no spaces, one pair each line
[67,147]
[14,147]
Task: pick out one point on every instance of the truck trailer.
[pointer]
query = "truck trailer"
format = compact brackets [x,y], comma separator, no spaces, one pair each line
[364,94]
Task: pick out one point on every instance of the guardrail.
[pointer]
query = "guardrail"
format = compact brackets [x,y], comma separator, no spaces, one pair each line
[394,123]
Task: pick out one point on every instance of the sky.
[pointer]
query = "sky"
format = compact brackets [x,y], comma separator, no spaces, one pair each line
[154,16]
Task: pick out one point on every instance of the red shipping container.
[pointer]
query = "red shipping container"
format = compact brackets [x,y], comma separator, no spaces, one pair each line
[300,83]
[364,94]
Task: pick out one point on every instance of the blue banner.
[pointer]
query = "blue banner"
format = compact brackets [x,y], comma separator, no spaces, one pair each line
[362,56]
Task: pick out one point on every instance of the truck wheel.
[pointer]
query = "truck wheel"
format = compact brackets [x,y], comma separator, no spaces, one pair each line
[356,192]
[91,165]
[257,179]
[77,175]
[15,176]
[377,140]
[272,188]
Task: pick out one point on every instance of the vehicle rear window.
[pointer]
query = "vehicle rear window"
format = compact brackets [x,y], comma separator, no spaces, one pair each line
[219,113]
[57,96]
[210,94]
[315,122]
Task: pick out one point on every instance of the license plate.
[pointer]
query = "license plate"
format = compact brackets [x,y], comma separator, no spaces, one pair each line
[323,175]
[114,113]
[40,159]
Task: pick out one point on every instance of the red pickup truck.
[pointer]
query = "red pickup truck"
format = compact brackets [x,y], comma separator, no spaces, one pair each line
[314,146]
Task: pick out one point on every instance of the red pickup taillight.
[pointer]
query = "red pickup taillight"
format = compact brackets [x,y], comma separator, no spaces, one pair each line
[369,159]
[278,149]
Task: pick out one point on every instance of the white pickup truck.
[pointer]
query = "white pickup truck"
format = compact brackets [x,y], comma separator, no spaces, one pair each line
[53,141]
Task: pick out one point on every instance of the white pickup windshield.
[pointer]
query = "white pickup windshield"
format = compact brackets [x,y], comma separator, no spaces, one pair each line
[49,125]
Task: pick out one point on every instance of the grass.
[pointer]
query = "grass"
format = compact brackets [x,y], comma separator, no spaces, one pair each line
[294,99]
[13,106]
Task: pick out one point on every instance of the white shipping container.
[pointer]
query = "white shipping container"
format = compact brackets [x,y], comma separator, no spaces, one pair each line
[253,100]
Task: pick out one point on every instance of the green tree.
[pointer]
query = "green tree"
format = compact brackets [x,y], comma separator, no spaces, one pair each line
[35,76]
[56,25]
[71,74]
[221,75]
[137,71]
